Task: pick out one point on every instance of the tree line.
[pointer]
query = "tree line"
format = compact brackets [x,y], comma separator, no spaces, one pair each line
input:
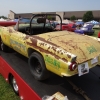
[3,17]
[88,16]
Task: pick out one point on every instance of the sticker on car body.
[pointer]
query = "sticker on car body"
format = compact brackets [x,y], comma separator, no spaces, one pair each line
[91,49]
[18,46]
[52,61]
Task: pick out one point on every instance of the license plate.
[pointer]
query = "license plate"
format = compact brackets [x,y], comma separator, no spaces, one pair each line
[95,60]
[83,69]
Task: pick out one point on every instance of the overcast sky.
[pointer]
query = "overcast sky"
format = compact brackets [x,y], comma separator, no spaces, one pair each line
[29,6]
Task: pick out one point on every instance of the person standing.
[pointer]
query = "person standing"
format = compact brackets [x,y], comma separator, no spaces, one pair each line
[17,24]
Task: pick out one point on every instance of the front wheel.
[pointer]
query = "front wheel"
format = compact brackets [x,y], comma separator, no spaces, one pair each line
[3,47]
[37,66]
[14,85]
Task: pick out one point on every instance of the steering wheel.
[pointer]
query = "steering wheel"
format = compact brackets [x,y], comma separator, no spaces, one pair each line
[27,30]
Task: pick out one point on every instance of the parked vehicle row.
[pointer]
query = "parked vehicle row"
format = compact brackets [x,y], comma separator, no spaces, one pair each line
[78,27]
[81,29]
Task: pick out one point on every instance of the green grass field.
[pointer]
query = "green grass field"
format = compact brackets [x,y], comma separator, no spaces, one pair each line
[96,32]
[6,91]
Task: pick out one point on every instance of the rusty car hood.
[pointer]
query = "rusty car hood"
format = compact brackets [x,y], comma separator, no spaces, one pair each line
[83,46]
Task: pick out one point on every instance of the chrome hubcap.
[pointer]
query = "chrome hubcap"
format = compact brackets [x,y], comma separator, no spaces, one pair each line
[1,45]
[15,85]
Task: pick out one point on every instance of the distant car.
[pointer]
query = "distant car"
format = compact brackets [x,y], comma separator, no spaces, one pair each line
[26,20]
[87,29]
[68,27]
[54,24]
[73,25]
[96,26]
[79,23]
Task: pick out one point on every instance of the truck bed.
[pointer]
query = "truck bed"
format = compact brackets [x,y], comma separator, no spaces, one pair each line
[90,83]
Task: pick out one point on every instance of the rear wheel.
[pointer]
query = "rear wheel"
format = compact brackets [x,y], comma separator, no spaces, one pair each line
[37,66]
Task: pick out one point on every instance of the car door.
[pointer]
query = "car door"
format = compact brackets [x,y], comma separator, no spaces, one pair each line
[17,42]
[5,35]
[22,43]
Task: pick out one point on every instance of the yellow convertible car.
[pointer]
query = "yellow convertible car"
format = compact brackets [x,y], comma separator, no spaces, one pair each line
[49,50]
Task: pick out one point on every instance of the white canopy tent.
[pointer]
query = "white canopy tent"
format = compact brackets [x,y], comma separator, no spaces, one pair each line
[66,21]
[93,22]
[1,19]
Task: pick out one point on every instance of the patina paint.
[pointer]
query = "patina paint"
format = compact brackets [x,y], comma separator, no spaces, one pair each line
[59,48]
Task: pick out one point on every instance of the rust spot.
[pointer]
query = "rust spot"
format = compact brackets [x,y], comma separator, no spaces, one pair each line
[34,42]
[64,60]
[54,48]
[69,56]
[34,45]
[42,44]
[42,39]
[70,41]
[45,44]
[61,53]
[27,36]
[83,52]
[49,47]
[57,51]
[10,30]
